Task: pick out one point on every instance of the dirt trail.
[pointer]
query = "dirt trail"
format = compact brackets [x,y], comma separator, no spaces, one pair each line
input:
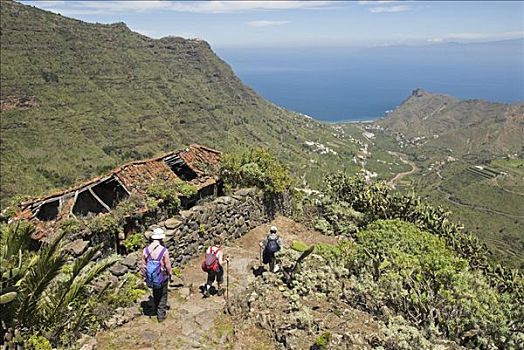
[399,176]
[192,321]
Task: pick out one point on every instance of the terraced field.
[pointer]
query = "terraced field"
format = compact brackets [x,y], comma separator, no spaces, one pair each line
[488,200]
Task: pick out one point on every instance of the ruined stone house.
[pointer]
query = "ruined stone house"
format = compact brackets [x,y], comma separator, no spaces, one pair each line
[197,165]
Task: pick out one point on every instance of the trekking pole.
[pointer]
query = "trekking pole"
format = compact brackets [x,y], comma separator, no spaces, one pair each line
[227,278]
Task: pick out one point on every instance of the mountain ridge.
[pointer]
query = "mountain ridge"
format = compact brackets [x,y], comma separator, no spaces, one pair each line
[470,126]
[102,95]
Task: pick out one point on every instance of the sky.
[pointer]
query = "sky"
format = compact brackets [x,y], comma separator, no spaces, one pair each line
[245,24]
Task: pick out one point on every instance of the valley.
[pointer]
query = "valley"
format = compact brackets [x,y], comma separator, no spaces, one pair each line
[402,233]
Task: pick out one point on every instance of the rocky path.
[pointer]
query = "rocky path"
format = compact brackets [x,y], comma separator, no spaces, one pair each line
[199,323]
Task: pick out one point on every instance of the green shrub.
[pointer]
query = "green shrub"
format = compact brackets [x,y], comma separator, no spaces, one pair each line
[323,340]
[416,274]
[336,252]
[127,207]
[134,242]
[71,226]
[103,224]
[38,342]
[255,167]
[165,193]
[323,226]
[177,272]
[185,189]
[125,293]
[128,292]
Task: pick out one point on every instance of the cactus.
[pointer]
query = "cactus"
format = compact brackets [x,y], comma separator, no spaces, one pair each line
[289,274]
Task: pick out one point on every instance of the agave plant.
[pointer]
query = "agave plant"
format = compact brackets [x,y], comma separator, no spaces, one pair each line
[289,274]
[38,294]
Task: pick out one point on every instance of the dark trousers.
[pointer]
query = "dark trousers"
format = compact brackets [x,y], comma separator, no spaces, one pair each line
[269,258]
[212,276]
[160,299]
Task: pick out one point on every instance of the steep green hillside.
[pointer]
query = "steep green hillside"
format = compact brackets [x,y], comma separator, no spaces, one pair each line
[466,127]
[469,158]
[80,98]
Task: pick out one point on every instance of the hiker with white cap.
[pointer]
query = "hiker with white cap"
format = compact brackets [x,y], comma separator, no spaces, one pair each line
[269,246]
[156,269]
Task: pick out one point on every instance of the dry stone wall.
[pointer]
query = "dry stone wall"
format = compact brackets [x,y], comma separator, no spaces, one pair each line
[193,230]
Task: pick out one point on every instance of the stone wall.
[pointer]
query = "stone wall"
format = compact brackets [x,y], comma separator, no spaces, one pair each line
[229,217]
[193,230]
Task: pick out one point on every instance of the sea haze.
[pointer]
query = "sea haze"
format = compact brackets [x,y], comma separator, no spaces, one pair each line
[336,84]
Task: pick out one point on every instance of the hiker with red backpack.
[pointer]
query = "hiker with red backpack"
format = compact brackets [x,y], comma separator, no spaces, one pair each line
[212,265]
[156,269]
[270,246]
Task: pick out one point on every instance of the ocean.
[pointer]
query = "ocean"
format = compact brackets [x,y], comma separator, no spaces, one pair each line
[351,84]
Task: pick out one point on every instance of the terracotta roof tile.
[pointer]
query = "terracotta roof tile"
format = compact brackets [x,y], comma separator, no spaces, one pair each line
[134,176]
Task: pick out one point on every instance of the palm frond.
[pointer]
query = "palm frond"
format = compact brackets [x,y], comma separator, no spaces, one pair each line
[46,267]
[14,238]
[83,260]
[81,314]
[60,299]
[37,279]
[85,279]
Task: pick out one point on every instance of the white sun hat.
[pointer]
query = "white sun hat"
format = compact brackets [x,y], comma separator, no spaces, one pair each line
[273,229]
[158,234]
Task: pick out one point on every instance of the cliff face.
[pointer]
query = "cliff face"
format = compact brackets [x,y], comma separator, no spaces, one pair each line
[470,126]
[80,98]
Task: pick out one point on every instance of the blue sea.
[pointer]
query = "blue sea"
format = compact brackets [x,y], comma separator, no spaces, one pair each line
[351,84]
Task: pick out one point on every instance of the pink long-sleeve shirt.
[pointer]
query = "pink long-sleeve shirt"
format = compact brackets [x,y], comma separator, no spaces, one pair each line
[154,249]
[217,250]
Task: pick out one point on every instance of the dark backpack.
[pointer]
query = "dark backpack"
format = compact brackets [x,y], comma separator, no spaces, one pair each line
[154,275]
[272,246]
[210,262]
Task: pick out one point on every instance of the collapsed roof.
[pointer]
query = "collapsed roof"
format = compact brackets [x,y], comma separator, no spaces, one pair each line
[196,165]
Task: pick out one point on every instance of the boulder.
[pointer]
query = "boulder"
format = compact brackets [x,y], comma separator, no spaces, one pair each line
[172,223]
[185,292]
[77,247]
[186,214]
[152,227]
[199,209]
[118,270]
[176,282]
[131,261]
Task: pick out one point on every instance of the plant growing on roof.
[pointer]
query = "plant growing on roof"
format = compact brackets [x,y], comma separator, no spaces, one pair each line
[166,193]
[185,189]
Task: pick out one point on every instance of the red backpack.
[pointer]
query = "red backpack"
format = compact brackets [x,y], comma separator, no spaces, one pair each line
[210,262]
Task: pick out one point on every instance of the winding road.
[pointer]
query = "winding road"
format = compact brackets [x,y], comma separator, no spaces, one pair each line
[392,183]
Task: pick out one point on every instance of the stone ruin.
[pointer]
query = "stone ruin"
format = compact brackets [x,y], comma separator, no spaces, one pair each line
[197,165]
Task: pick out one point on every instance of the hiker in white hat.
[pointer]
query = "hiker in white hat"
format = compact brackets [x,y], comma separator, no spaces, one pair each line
[156,269]
[269,246]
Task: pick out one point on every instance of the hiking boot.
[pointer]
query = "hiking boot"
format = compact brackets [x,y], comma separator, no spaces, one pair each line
[160,320]
[220,292]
